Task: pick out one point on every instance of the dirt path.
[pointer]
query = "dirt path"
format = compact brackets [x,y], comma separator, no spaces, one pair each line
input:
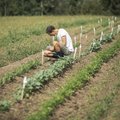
[82,103]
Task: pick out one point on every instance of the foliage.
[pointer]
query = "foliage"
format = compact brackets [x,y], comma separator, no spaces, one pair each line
[19,71]
[4,105]
[38,80]
[75,82]
[95,46]
[48,7]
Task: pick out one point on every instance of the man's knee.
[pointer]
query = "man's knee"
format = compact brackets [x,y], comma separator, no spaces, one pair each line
[55,43]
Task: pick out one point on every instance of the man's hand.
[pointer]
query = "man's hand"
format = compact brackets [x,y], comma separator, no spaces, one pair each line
[50,48]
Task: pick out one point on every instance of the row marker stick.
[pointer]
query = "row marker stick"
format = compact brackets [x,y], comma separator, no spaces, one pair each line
[23,87]
[42,57]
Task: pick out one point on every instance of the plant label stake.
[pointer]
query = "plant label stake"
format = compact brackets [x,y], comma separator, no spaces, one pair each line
[74,56]
[118,30]
[80,47]
[80,37]
[42,57]
[101,37]
[75,41]
[94,32]
[23,88]
[98,22]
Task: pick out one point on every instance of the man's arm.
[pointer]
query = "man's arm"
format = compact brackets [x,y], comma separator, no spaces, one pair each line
[63,41]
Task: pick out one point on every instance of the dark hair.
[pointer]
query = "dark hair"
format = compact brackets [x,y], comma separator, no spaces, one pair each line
[49,29]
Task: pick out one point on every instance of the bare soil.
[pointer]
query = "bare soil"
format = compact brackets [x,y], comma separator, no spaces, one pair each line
[79,105]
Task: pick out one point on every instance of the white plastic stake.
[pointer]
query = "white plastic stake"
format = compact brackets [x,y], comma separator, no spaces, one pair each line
[75,52]
[94,32]
[80,37]
[75,40]
[115,18]
[101,20]
[101,37]
[98,22]
[81,29]
[118,29]
[42,57]
[23,87]
[80,47]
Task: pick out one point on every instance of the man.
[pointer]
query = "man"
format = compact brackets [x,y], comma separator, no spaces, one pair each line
[63,45]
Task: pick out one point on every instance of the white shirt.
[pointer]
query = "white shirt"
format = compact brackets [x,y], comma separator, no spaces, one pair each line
[69,44]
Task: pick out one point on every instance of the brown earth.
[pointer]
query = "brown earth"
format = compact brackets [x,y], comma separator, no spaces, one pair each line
[80,105]
[20,110]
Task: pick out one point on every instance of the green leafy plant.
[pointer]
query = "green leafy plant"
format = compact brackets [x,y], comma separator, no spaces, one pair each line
[95,46]
[75,82]
[4,105]
[19,71]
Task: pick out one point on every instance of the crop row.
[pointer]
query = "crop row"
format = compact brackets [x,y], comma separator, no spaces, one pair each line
[6,78]
[75,82]
[19,71]
[40,78]
[20,44]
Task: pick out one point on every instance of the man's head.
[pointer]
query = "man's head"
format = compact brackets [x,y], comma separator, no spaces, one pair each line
[51,30]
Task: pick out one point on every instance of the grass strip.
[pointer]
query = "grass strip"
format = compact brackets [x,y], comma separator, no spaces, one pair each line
[8,77]
[74,83]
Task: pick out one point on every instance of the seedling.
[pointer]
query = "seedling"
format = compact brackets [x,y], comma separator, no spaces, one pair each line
[4,105]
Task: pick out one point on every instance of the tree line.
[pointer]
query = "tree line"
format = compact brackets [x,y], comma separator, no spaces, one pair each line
[59,7]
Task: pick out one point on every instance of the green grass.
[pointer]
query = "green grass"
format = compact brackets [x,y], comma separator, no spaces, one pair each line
[8,77]
[20,39]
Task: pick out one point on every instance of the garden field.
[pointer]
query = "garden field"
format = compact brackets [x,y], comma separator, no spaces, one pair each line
[82,86]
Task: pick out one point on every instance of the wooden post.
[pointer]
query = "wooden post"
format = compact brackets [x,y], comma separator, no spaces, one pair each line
[74,56]
[112,30]
[94,32]
[101,37]
[80,37]
[23,87]
[86,37]
[80,48]
[42,57]
[118,29]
